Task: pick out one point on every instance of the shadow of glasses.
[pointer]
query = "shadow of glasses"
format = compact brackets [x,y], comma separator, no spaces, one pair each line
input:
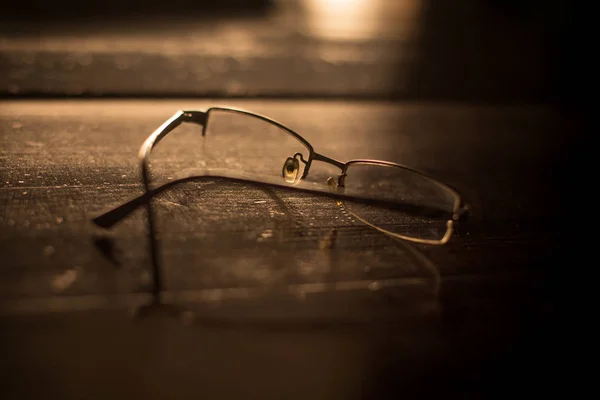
[327,255]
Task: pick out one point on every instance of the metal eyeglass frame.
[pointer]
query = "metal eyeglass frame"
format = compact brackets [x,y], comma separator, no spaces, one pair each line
[201,118]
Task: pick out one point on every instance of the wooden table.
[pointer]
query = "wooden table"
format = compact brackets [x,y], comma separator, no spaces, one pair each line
[258,275]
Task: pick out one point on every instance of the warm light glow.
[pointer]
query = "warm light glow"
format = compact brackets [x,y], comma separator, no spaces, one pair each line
[337,3]
[361,19]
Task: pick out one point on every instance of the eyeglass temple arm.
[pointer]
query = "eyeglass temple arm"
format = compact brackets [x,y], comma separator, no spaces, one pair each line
[110,218]
[197,117]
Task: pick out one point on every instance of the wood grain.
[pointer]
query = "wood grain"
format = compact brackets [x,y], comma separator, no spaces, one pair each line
[269,274]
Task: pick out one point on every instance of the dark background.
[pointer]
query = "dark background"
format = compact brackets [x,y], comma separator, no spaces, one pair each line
[499,51]
[488,95]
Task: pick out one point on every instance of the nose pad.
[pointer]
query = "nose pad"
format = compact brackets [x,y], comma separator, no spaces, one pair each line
[331,182]
[334,187]
[290,170]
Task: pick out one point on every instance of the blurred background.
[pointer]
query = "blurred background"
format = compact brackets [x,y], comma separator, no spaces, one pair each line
[468,50]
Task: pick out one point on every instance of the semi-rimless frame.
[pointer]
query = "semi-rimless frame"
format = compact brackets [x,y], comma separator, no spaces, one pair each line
[292,176]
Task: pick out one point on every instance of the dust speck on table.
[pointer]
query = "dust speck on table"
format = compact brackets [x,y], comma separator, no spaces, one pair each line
[63,281]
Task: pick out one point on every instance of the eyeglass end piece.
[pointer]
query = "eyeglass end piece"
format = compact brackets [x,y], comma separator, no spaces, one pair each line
[197,117]
[463,213]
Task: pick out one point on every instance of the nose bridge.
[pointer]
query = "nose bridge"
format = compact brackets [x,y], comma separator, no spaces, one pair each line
[328,160]
[322,172]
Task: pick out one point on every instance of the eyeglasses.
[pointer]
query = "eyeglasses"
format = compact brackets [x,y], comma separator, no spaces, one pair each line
[392,198]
